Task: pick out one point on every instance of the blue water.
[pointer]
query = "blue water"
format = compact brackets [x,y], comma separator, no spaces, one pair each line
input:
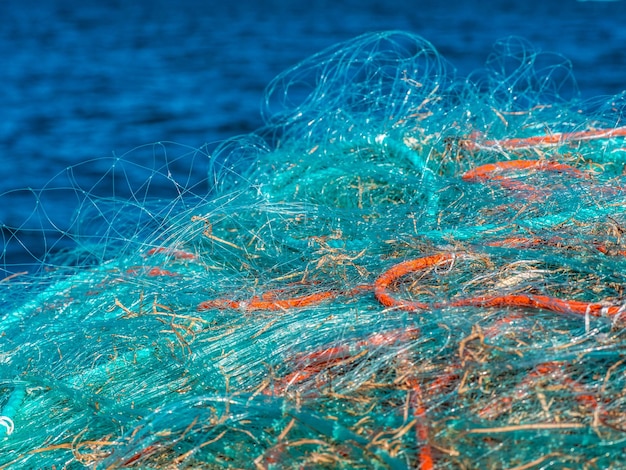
[88,79]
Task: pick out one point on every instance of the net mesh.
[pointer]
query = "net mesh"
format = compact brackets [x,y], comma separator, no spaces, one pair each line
[403,268]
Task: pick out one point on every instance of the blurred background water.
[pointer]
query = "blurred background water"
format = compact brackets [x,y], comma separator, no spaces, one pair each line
[87,79]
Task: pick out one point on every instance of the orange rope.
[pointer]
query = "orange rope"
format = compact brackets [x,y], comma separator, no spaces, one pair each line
[402,269]
[256,303]
[523,242]
[178,254]
[268,300]
[489,172]
[544,302]
[484,172]
[425,456]
[510,300]
[548,140]
[309,365]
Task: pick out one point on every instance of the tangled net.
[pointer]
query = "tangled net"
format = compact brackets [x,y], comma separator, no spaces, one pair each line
[403,269]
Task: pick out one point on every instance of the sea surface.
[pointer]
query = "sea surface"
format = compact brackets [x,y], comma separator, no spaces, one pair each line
[88,79]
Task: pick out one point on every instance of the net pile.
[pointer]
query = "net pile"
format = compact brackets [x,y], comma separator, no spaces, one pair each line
[403,269]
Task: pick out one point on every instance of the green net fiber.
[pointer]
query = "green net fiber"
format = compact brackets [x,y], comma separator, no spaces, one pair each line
[403,269]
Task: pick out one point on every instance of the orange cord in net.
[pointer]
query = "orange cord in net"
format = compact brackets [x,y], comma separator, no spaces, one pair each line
[492,172]
[548,140]
[392,275]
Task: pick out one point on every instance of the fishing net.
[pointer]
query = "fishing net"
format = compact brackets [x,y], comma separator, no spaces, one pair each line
[403,269]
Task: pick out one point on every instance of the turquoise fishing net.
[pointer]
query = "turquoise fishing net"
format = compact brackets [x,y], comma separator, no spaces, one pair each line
[230,311]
